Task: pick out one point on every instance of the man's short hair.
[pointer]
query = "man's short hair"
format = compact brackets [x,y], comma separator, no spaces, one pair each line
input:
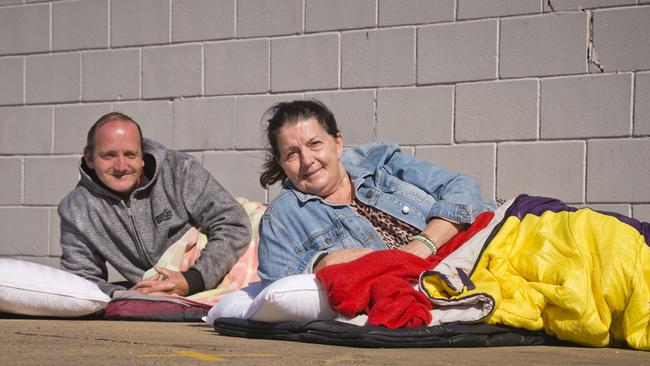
[112,116]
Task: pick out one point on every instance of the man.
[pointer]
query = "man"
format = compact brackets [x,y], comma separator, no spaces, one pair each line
[134,199]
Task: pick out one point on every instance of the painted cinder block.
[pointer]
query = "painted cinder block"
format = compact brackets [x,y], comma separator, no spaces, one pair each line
[620,41]
[49,179]
[55,233]
[618,170]
[111,75]
[11,80]
[273,191]
[11,180]
[378,58]
[204,123]
[475,160]
[321,15]
[37,1]
[113,274]
[549,44]
[563,5]
[237,67]
[622,38]
[26,130]
[396,12]
[468,9]
[552,169]
[408,150]
[496,111]
[641,212]
[415,116]
[250,122]
[642,104]
[172,71]
[354,112]
[139,22]
[19,236]
[269,17]
[79,24]
[196,155]
[586,106]
[71,125]
[202,20]
[25,29]
[154,117]
[457,52]
[53,78]
[238,172]
[305,63]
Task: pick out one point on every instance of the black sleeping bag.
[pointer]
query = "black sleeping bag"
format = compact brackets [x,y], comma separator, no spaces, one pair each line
[344,334]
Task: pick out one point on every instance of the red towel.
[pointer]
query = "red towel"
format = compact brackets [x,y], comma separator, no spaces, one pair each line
[380,283]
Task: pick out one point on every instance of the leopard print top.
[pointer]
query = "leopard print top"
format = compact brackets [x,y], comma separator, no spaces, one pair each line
[395,232]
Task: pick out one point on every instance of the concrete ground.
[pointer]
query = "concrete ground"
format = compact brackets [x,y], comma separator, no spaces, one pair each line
[97,342]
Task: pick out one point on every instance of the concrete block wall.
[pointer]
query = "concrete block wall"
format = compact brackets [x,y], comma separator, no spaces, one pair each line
[547,97]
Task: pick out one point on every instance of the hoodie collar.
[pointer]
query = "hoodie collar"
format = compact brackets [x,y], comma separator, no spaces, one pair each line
[153,153]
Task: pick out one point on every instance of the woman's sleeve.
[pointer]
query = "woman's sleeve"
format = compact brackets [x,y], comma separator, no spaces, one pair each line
[279,255]
[458,197]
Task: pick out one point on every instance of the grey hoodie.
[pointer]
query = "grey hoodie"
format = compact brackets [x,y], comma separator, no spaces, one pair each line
[98,227]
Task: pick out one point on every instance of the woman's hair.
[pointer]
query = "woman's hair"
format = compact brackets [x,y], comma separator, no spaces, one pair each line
[283,114]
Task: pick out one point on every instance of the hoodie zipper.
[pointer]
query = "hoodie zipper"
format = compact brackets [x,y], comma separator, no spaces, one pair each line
[138,242]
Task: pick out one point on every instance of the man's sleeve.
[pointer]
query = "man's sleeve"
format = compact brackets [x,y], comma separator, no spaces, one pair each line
[79,258]
[220,217]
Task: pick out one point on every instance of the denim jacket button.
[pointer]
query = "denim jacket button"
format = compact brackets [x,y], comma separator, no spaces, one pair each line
[369,194]
[406,210]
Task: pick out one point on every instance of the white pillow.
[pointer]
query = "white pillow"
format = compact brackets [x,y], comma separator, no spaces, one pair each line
[293,298]
[34,289]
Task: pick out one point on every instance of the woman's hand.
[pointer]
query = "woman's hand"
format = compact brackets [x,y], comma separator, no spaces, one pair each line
[341,256]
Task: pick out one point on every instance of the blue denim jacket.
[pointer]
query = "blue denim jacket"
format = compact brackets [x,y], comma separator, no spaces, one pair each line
[296,226]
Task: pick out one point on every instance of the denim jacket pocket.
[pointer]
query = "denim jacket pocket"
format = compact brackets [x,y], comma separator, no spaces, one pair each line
[321,240]
[333,237]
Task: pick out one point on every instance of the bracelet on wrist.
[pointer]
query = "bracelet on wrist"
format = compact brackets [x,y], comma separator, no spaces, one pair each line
[431,244]
[432,239]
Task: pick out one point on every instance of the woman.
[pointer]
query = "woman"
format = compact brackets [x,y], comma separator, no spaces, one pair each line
[336,205]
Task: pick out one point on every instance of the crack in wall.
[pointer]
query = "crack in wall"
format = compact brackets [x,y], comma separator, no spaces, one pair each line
[592,56]
[548,2]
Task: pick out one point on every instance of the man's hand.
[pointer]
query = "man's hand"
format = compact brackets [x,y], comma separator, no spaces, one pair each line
[342,256]
[168,282]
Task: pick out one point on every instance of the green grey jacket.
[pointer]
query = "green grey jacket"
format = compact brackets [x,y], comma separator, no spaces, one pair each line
[98,227]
